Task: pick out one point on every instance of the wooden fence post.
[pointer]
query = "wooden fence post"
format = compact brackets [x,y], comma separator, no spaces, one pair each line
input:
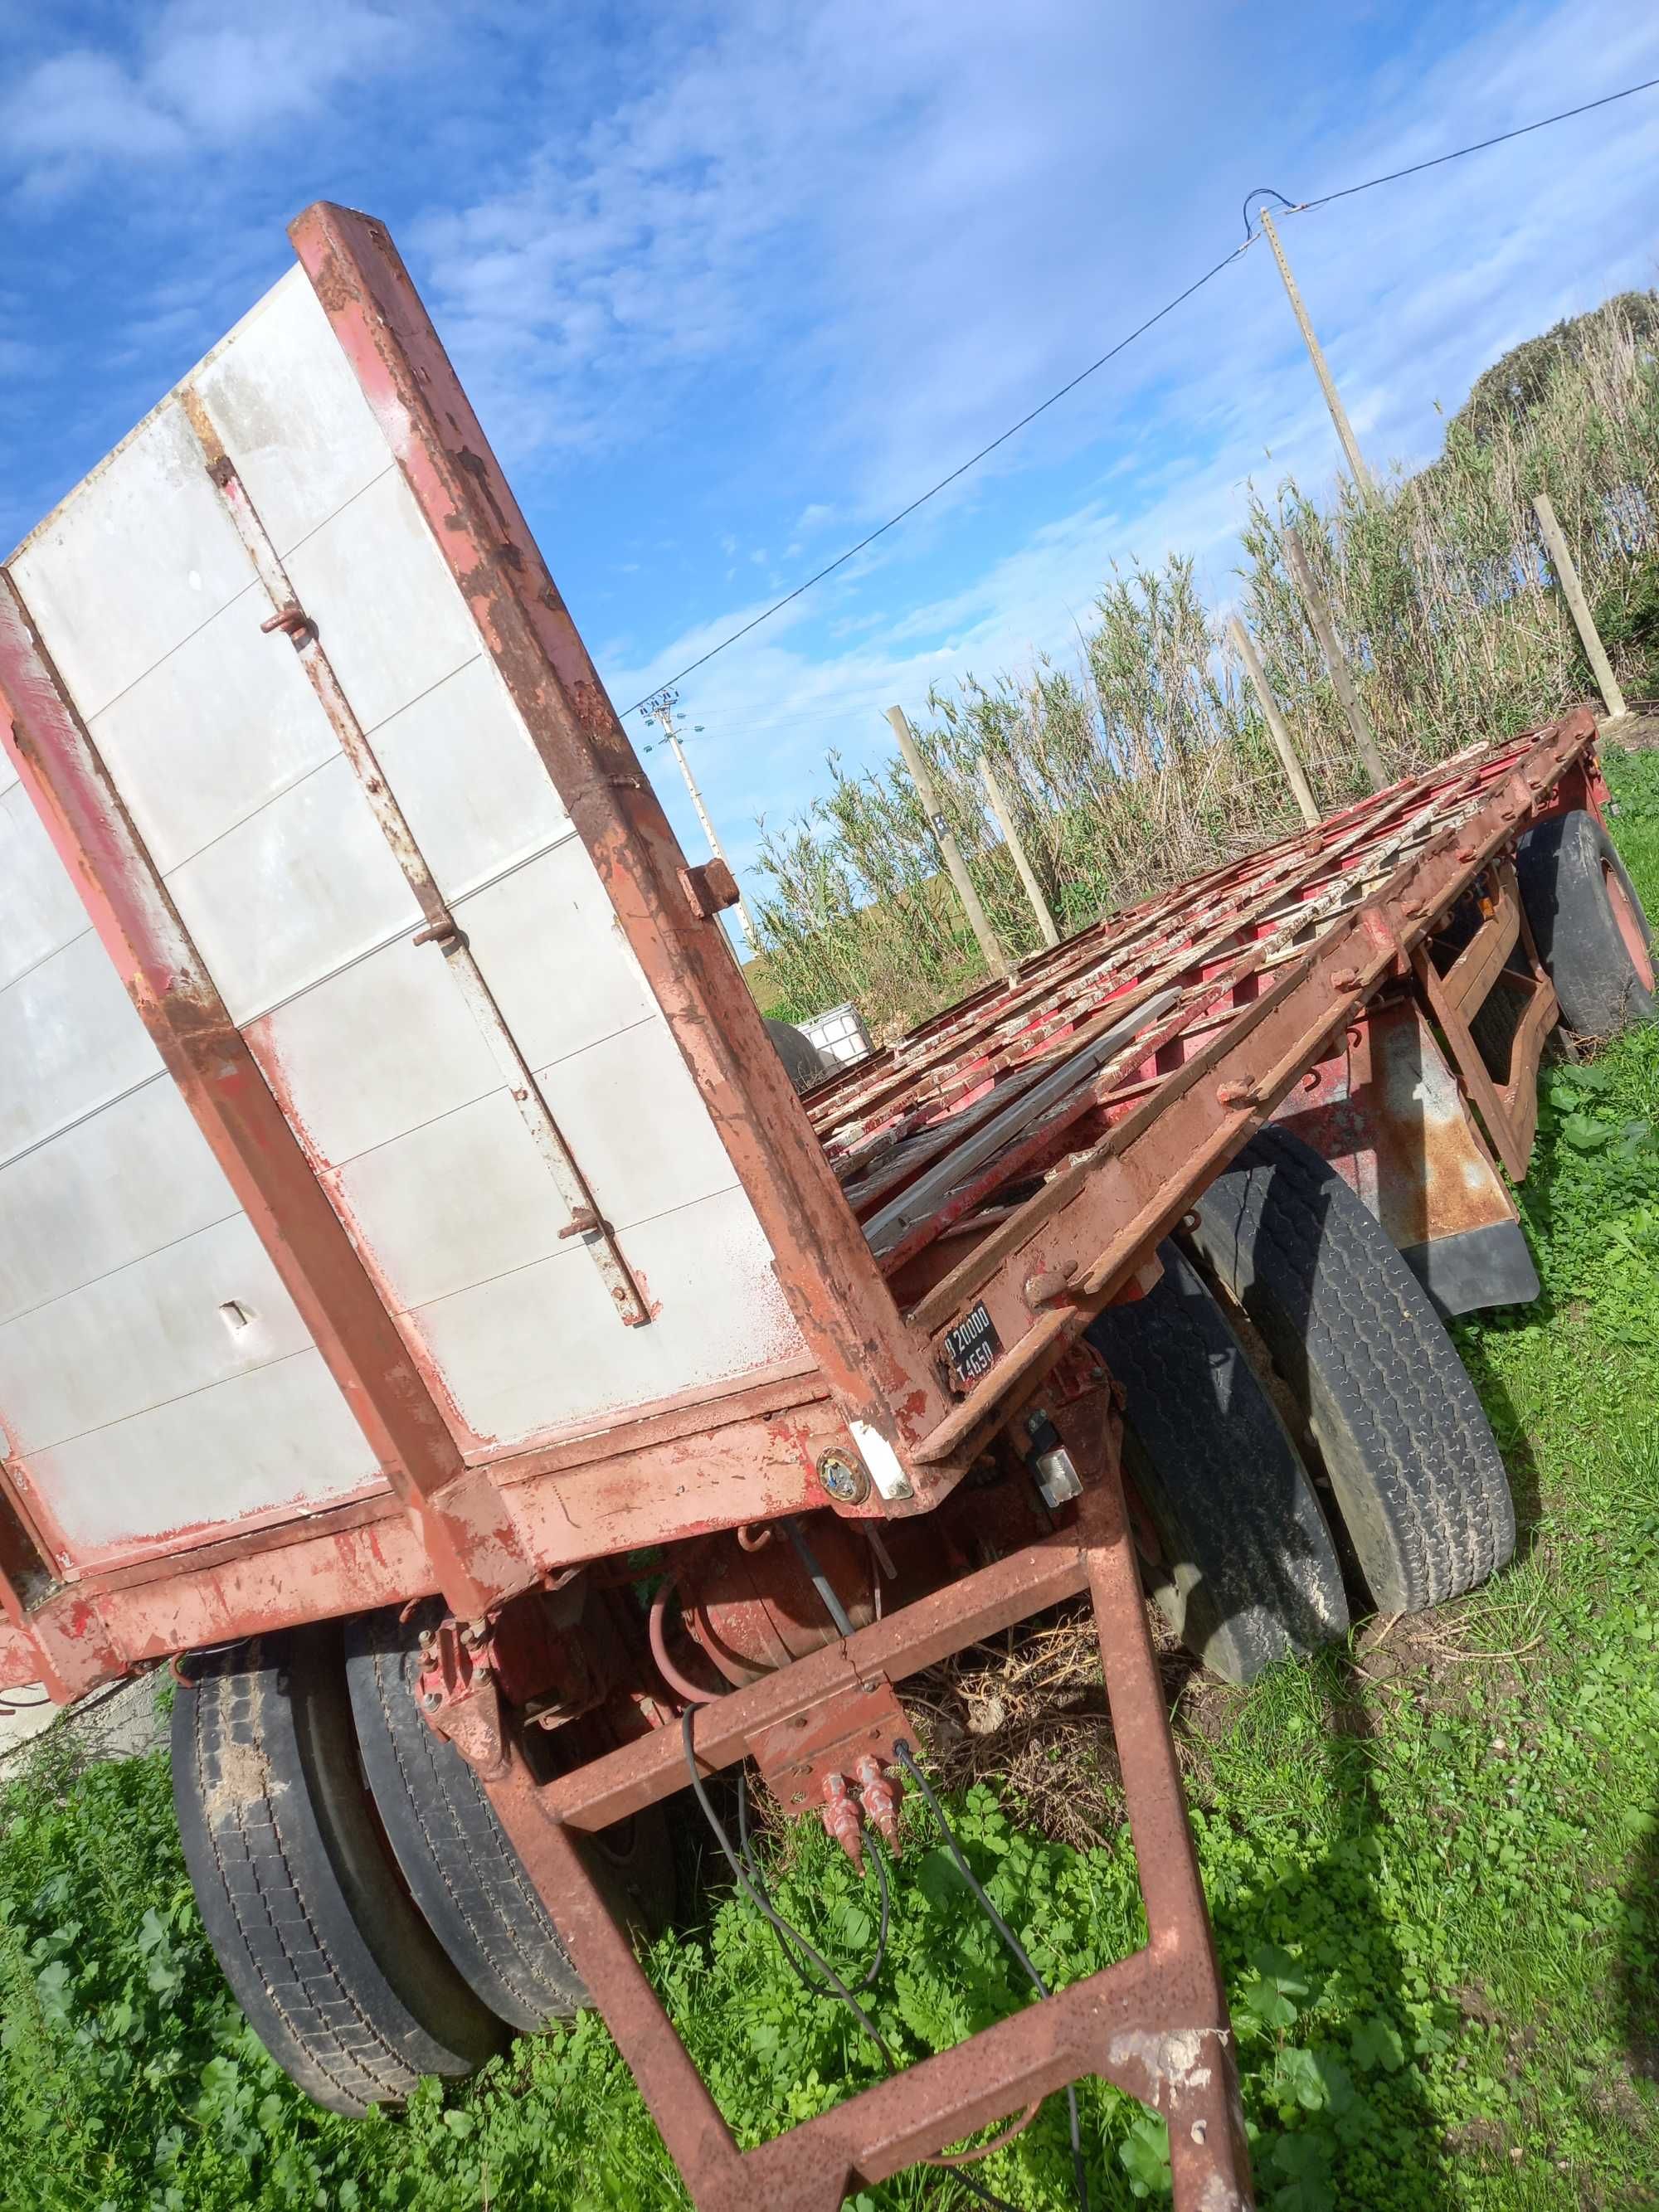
[1358,721]
[1277,727]
[1005,817]
[1595,652]
[996,958]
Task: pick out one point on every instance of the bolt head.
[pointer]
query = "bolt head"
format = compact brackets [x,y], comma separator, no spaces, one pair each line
[431,1701]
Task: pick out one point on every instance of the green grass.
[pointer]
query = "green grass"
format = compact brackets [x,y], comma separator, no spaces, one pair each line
[1432,1861]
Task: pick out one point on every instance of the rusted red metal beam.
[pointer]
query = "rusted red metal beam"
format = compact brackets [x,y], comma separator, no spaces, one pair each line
[673,1481]
[1156,2023]
[882,1377]
[1097,1217]
[642,1773]
[476,1551]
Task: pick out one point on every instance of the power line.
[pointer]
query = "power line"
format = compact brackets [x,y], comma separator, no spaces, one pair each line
[1297,207]
[1437,160]
[933,490]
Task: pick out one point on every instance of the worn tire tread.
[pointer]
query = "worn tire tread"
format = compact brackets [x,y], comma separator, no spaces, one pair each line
[459,1865]
[1410,1453]
[1217,1465]
[278,1919]
[1558,868]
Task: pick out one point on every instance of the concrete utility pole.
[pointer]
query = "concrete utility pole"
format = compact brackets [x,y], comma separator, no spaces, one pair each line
[996,958]
[660,710]
[1561,561]
[1358,721]
[1362,475]
[1004,820]
[1277,729]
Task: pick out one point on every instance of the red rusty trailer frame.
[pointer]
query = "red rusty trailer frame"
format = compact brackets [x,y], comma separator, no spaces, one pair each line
[947,1217]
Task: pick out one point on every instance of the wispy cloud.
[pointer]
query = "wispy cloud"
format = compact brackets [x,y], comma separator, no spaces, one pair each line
[753,280]
[190,83]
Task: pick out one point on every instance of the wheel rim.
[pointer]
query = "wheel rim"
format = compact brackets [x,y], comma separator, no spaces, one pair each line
[1629,925]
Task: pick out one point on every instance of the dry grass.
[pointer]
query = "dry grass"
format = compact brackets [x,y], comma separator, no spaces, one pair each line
[1028,1715]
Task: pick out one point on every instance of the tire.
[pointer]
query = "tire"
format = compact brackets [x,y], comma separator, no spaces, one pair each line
[1350,1331]
[1592,935]
[1248,1573]
[454,1853]
[343,1981]
[802,1060]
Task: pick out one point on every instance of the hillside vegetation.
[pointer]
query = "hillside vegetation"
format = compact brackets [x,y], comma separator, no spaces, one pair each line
[1144,759]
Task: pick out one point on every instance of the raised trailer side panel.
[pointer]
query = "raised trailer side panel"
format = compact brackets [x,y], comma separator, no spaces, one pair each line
[473,1132]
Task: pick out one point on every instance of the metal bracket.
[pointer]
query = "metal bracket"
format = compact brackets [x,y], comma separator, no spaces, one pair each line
[796,1756]
[1155,2023]
[459,1697]
[710,887]
[1509,1109]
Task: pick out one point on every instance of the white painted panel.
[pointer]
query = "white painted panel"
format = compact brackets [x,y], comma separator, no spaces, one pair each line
[116,1186]
[69,1042]
[136,558]
[632,1115]
[542,1347]
[468,778]
[300,462]
[270,849]
[455,1202]
[304,885]
[554,955]
[386,1045]
[468,1196]
[280,1436]
[385,607]
[146,1334]
[223,724]
[40,911]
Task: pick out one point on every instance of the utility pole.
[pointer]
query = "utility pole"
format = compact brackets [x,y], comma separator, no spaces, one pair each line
[996,958]
[1595,652]
[660,710]
[1362,475]
[1358,721]
[1005,817]
[1277,729]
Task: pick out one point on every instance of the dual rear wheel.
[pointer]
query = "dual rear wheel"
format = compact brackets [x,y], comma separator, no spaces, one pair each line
[1291,1397]
[1353,1381]
[369,1913]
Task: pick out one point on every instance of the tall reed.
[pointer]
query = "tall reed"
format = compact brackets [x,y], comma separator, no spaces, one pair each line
[1146,760]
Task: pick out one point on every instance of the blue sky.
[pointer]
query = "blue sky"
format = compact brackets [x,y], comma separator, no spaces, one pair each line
[730,285]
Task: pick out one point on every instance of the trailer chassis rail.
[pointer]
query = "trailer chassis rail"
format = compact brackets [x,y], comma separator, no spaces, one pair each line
[1155,2023]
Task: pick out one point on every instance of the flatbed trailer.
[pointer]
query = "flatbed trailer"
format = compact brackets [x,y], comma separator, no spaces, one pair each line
[411,1242]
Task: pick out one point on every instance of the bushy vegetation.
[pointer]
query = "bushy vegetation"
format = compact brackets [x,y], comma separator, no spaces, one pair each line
[1145,759]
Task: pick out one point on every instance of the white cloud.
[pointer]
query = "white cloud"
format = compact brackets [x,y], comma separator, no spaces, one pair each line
[195,84]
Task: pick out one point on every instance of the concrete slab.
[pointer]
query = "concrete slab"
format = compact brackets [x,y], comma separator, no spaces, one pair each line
[121,1722]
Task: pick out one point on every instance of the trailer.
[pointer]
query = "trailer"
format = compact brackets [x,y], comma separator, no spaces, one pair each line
[431,1320]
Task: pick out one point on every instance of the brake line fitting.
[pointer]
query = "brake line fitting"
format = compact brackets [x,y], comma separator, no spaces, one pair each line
[872,1796]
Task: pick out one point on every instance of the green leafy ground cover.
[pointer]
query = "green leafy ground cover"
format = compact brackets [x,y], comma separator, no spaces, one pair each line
[1432,1860]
